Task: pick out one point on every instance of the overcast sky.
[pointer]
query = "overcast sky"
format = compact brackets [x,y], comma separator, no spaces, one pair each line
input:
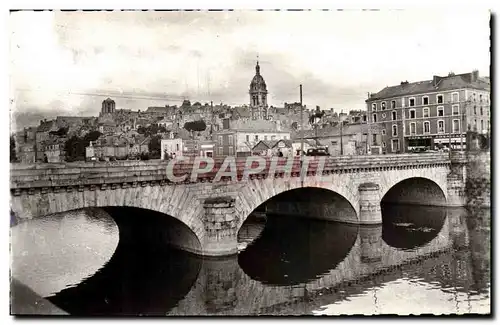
[58,59]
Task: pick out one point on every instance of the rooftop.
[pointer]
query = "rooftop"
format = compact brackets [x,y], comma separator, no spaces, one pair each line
[451,82]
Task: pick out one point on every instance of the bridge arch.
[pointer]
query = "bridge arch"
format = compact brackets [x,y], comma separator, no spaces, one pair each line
[415,190]
[335,199]
[173,201]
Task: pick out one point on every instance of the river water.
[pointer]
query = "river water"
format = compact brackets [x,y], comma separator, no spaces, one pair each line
[422,260]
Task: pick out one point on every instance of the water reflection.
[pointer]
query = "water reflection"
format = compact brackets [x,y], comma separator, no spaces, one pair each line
[144,277]
[420,260]
[292,251]
[60,250]
[408,227]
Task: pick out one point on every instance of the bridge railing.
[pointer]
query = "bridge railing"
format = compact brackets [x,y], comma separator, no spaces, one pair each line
[65,174]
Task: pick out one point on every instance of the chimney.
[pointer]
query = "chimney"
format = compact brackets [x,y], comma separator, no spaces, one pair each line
[474,75]
[435,80]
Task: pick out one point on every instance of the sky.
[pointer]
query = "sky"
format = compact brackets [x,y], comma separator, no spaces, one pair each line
[66,63]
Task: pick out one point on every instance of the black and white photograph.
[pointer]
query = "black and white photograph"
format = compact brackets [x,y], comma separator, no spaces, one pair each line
[250,162]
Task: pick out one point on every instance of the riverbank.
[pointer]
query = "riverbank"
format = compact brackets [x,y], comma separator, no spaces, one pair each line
[26,302]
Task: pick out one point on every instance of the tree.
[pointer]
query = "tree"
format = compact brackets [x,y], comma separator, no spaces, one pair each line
[61,132]
[154,146]
[92,136]
[318,113]
[197,126]
[13,156]
[75,146]
[151,130]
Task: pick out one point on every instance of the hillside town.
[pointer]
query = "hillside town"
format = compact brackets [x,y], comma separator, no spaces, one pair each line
[443,113]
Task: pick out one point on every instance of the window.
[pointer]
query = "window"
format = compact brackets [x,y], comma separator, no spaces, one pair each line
[412,113]
[177,147]
[265,137]
[455,110]
[230,139]
[426,112]
[383,105]
[393,104]
[412,102]
[383,144]
[475,125]
[231,151]
[394,115]
[456,126]
[374,118]
[364,118]
[474,96]
[394,130]
[220,151]
[248,138]
[395,145]
[425,100]
[256,138]
[273,137]
[482,126]
[383,131]
[480,98]
[220,139]
[374,106]
[374,139]
[413,128]
[440,111]
[454,98]
[427,127]
[475,110]
[440,99]
[440,126]
[481,110]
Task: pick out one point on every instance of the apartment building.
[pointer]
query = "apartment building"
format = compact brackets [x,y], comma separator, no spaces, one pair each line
[431,113]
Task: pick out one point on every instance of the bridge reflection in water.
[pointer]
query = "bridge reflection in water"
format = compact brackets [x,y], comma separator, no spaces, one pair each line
[294,266]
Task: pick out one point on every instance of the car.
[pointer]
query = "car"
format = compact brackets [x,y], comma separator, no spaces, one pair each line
[317,152]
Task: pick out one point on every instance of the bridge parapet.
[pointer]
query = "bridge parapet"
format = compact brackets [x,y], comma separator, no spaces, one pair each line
[131,173]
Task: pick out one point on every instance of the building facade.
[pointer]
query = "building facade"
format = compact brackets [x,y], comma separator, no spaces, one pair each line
[258,96]
[172,147]
[347,139]
[240,142]
[431,114]
[272,148]
[198,148]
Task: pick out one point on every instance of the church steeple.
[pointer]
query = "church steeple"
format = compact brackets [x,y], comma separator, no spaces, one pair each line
[258,94]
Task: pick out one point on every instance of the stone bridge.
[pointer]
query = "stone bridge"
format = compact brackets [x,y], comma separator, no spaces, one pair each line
[345,189]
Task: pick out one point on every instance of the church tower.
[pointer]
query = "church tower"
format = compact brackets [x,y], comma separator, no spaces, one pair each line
[108,106]
[258,95]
